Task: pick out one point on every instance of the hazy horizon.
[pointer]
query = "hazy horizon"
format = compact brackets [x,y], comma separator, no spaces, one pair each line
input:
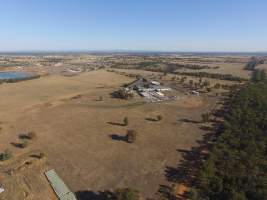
[141,25]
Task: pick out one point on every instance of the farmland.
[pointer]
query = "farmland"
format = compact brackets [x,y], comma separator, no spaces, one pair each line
[78,124]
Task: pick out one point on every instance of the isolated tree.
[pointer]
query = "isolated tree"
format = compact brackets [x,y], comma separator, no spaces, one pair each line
[258,75]
[183,79]
[196,84]
[122,94]
[125,121]
[24,143]
[191,82]
[159,117]
[206,83]
[131,136]
[205,117]
[41,155]
[217,86]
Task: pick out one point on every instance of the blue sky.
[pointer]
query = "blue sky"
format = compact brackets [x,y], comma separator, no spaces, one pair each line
[160,25]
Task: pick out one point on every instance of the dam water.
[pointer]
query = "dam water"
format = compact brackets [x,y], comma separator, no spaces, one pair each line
[13,75]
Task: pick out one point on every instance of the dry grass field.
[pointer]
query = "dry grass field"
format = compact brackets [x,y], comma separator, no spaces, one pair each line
[82,137]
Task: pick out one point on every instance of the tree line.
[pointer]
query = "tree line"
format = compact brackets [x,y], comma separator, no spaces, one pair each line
[15,80]
[236,168]
[228,77]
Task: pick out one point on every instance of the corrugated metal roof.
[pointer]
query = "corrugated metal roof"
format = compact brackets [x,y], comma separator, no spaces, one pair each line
[69,196]
[59,187]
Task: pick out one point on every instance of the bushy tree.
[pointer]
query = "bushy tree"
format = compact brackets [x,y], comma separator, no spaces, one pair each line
[217,86]
[24,143]
[258,75]
[122,94]
[131,136]
[191,83]
[159,117]
[205,117]
[125,121]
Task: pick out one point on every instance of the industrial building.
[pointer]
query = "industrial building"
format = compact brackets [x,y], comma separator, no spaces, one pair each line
[152,91]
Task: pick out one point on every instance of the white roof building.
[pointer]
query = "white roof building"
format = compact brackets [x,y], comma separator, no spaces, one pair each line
[1,189]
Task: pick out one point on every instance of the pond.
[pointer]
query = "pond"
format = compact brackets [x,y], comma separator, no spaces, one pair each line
[13,75]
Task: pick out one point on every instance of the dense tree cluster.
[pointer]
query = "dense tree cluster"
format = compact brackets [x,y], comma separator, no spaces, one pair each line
[258,75]
[236,168]
[163,66]
[122,94]
[228,77]
[251,65]
[172,68]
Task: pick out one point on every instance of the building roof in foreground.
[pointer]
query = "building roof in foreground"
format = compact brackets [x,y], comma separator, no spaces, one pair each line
[59,187]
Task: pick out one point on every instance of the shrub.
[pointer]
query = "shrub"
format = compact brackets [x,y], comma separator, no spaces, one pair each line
[100,98]
[131,136]
[127,194]
[7,154]
[125,121]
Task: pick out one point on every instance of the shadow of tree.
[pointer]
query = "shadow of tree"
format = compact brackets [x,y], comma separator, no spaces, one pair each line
[23,136]
[90,195]
[165,192]
[116,124]
[151,119]
[189,121]
[118,137]
[17,145]
[186,172]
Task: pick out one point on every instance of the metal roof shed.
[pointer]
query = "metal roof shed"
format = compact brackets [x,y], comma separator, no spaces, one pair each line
[59,187]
